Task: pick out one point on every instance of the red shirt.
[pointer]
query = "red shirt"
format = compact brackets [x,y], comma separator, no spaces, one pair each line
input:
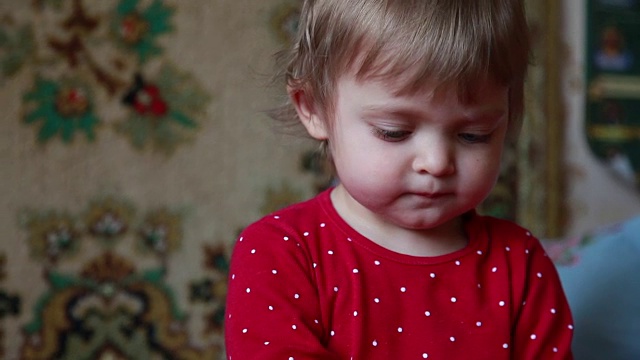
[305,285]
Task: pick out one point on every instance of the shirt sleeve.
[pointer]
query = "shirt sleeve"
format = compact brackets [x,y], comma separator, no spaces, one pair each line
[273,310]
[544,326]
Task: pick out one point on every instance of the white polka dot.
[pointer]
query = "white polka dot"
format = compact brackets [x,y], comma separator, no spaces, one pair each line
[508,249]
[377,262]
[270,307]
[433,275]
[323,225]
[316,321]
[375,343]
[355,271]
[244,331]
[553,311]
[501,303]
[478,324]
[479,286]
[233,276]
[241,239]
[266,343]
[528,233]
[248,290]
[330,252]
[505,346]
[457,262]
[533,336]
[526,251]
[286,238]
[570,327]
[555,349]
[349,240]
[274,271]
[494,269]
[335,289]
[291,358]
[453,299]
[355,313]
[427,313]
[333,333]
[539,275]
[376,300]
[403,289]
[253,251]
[294,327]
[399,329]
[452,339]
[306,233]
[297,296]
[276,217]
[315,265]
[425,355]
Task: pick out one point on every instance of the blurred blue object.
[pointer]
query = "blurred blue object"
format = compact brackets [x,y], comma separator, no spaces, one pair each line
[602,283]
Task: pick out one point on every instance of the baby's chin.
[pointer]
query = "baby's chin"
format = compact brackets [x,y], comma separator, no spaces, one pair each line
[420,221]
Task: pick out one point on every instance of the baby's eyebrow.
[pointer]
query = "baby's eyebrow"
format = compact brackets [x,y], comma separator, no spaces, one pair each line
[394,115]
[403,112]
[398,110]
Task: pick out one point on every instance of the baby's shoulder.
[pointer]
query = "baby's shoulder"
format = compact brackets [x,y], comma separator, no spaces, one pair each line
[506,233]
[289,221]
[504,226]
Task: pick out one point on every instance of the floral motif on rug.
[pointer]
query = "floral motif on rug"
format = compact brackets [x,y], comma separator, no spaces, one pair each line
[118,304]
[102,67]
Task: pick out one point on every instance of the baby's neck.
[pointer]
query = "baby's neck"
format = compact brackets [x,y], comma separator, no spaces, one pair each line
[441,240]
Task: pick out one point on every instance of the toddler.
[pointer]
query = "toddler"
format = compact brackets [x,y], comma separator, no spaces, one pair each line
[414,101]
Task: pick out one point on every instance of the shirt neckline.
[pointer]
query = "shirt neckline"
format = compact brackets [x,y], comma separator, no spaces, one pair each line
[472,225]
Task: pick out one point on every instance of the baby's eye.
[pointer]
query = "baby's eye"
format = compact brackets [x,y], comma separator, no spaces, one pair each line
[475,138]
[391,135]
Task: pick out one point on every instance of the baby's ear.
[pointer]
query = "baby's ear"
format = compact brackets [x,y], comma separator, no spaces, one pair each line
[308,114]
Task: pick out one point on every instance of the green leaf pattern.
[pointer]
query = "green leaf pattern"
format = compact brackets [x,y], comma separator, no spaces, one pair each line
[184,98]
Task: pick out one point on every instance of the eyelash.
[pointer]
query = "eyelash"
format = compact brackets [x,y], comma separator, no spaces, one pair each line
[399,135]
[391,135]
[475,138]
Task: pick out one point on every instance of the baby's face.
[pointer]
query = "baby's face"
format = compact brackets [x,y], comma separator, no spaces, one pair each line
[416,161]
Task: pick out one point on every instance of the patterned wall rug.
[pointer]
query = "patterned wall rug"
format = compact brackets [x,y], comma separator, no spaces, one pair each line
[114,307]
[130,146]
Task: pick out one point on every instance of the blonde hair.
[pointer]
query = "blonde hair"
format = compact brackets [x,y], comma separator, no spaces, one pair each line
[456,42]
